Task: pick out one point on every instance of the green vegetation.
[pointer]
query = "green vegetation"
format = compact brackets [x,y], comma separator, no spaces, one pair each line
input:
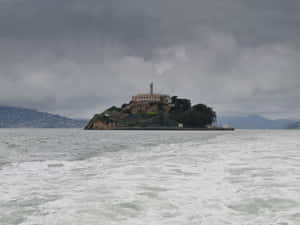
[197,116]
[180,104]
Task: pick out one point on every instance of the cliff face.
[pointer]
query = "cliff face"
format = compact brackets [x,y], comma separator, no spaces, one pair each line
[157,114]
[132,115]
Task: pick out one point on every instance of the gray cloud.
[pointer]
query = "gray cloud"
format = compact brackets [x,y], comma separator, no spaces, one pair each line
[76,58]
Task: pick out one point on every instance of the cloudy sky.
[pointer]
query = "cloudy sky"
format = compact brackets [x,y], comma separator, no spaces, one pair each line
[78,57]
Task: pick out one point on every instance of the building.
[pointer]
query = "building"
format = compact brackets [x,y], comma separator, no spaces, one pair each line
[151,97]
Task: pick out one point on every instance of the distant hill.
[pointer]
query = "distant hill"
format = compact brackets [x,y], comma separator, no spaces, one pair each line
[255,122]
[13,117]
[294,125]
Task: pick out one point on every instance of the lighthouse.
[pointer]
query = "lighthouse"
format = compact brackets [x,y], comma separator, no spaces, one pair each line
[151,88]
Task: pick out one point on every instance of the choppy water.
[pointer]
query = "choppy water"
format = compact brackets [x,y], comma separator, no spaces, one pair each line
[75,177]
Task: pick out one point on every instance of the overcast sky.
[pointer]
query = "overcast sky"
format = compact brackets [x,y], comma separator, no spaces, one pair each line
[78,57]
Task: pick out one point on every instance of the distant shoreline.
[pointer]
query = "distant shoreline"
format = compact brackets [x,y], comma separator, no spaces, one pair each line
[169,128]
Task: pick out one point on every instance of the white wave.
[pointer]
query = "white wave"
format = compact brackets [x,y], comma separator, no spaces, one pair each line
[245,177]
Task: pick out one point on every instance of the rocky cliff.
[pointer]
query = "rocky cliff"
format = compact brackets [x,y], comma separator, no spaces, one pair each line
[131,115]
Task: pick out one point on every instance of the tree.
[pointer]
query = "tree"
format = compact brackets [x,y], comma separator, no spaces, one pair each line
[173,99]
[114,108]
[180,104]
[198,116]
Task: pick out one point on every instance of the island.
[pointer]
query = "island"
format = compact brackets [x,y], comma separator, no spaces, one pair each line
[156,112]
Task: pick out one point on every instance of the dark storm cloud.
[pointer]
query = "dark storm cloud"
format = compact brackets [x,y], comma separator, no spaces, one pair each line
[78,57]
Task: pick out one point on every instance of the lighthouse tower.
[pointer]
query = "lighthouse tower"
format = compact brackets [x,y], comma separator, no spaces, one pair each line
[151,88]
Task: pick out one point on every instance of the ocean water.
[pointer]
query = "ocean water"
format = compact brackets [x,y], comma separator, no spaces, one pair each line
[76,177]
